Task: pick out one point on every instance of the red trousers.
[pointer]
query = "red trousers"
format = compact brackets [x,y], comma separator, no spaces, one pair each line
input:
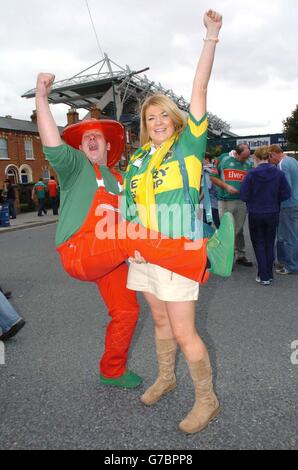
[90,256]
[124,311]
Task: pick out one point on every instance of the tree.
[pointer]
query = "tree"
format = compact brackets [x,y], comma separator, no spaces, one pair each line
[290,127]
[215,151]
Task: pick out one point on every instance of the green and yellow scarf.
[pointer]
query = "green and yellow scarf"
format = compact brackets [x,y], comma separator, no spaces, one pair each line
[144,206]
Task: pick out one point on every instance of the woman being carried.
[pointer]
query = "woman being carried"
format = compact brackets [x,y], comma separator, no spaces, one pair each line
[162,187]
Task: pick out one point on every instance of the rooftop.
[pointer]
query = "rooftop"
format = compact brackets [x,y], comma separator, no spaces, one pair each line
[118,92]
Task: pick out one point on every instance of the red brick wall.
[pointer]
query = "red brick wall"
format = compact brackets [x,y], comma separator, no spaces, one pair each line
[17,157]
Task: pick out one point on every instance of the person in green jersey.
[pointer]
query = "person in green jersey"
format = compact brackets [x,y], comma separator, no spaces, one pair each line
[39,192]
[154,191]
[227,174]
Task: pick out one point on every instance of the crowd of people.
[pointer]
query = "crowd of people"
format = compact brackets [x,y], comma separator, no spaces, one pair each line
[38,195]
[39,191]
[266,188]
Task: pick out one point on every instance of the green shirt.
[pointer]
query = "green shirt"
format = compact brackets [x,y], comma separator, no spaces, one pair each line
[228,169]
[78,185]
[40,190]
[174,214]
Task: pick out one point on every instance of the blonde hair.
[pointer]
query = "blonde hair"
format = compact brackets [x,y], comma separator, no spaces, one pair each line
[169,106]
[262,153]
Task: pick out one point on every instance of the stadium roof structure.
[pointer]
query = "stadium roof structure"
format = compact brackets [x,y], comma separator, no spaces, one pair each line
[118,93]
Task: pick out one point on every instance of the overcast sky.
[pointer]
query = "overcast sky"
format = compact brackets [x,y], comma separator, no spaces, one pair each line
[254,83]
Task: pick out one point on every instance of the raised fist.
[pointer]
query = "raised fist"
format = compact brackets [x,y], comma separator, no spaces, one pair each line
[212,21]
[44,84]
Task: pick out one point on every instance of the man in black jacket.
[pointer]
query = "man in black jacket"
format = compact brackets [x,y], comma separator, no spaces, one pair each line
[11,197]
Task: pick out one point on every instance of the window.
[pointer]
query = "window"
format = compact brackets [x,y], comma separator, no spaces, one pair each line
[12,175]
[25,173]
[46,174]
[29,150]
[24,177]
[3,149]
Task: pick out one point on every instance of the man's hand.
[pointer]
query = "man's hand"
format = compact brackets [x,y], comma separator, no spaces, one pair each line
[213,23]
[48,130]
[44,84]
[231,190]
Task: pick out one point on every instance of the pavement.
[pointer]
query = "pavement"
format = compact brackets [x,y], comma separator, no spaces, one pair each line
[29,220]
[51,397]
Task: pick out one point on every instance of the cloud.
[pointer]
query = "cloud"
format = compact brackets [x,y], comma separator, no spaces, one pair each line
[255,63]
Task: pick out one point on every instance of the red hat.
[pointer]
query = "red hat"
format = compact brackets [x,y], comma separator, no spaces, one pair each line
[112,130]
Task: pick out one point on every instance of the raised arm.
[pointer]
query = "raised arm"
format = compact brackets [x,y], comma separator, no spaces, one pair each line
[47,127]
[198,104]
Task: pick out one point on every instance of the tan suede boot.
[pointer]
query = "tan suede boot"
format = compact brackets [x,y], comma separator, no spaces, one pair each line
[206,406]
[166,381]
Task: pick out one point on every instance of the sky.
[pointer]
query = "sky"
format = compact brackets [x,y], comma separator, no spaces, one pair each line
[254,82]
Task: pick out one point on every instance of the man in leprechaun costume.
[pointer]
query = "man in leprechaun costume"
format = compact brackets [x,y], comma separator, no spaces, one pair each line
[85,184]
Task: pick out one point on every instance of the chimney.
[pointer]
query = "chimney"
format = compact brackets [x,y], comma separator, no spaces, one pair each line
[72,116]
[33,116]
[95,112]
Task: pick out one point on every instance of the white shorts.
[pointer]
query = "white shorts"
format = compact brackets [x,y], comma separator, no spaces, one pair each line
[162,283]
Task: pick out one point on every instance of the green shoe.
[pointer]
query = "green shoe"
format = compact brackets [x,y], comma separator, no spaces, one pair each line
[127,380]
[220,247]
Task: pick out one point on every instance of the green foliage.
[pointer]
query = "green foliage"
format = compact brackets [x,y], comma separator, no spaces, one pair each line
[290,127]
[215,151]
[26,203]
[27,208]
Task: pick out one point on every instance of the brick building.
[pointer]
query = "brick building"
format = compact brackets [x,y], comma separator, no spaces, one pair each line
[21,158]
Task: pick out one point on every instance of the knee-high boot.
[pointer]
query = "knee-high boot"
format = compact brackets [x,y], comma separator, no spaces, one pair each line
[206,405]
[166,381]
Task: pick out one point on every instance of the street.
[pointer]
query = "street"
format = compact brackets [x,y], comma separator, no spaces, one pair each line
[51,397]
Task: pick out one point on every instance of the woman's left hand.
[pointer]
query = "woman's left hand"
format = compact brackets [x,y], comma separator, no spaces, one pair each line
[213,21]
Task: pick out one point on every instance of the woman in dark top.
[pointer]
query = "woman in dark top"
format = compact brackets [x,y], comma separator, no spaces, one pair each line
[263,189]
